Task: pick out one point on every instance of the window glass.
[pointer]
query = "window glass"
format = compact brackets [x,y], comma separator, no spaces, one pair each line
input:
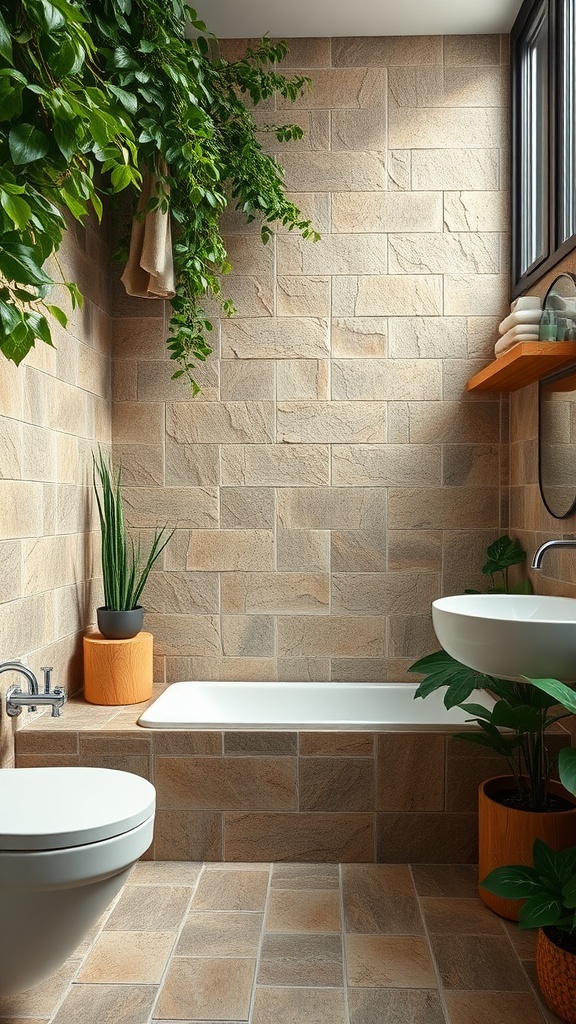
[566,132]
[533,142]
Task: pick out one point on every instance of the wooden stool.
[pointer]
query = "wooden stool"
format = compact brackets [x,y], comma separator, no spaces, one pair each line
[117,671]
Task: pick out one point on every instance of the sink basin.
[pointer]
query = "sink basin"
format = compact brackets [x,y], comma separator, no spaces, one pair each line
[509,635]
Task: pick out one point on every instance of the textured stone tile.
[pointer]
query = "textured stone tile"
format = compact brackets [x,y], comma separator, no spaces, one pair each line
[386,465]
[42,999]
[389,961]
[248,636]
[185,592]
[397,592]
[245,380]
[455,916]
[262,742]
[446,127]
[282,338]
[139,338]
[301,550]
[380,898]
[409,635]
[455,169]
[223,422]
[251,783]
[394,1006]
[164,873]
[454,880]
[316,126]
[275,465]
[305,876]
[294,1005]
[358,130]
[454,422]
[92,1004]
[478,49]
[427,837]
[410,772]
[184,508]
[299,837]
[185,634]
[386,211]
[191,465]
[470,465]
[334,254]
[414,549]
[278,592]
[330,637]
[301,379]
[228,550]
[338,87]
[303,296]
[137,958]
[343,508]
[390,379]
[427,338]
[142,465]
[22,509]
[138,422]
[464,775]
[456,253]
[336,784]
[492,1008]
[454,508]
[367,51]
[359,551]
[393,295]
[140,904]
[247,508]
[303,911]
[251,295]
[208,989]
[482,295]
[220,934]
[155,384]
[359,670]
[358,338]
[301,959]
[238,890]
[329,422]
[330,172]
[193,835]
[476,211]
[309,52]
[479,962]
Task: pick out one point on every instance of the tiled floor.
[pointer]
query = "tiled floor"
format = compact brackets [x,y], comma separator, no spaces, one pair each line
[293,944]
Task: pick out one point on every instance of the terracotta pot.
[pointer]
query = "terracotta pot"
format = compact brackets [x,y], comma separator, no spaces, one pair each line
[506,835]
[556,973]
[120,625]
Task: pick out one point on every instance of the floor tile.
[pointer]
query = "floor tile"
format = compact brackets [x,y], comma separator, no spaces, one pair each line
[100,1004]
[394,1006]
[139,905]
[389,961]
[305,876]
[460,917]
[128,957]
[220,934]
[299,1006]
[301,960]
[492,1008]
[231,890]
[380,898]
[306,911]
[549,1016]
[478,962]
[165,872]
[42,1000]
[523,939]
[209,989]
[458,880]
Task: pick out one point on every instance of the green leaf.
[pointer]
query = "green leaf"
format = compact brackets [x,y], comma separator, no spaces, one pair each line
[26,144]
[5,39]
[58,314]
[567,768]
[562,694]
[514,882]
[540,911]
[127,99]
[16,208]
[503,553]
[17,264]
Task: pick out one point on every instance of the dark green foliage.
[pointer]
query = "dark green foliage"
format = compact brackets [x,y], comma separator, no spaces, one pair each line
[549,888]
[113,86]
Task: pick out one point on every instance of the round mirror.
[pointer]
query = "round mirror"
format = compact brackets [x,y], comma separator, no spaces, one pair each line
[557,410]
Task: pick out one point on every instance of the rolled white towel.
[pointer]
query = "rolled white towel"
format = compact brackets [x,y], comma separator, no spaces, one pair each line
[519,317]
[512,338]
[526,302]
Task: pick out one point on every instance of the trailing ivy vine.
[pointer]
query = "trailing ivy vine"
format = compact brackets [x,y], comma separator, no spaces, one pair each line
[92,94]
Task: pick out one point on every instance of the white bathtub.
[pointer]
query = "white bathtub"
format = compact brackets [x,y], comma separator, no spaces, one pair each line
[301,706]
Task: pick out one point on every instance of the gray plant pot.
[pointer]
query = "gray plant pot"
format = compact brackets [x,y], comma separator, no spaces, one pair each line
[115,625]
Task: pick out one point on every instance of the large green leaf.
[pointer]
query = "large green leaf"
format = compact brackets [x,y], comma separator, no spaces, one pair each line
[26,144]
[5,39]
[514,882]
[503,553]
[561,693]
[17,263]
[540,911]
[567,768]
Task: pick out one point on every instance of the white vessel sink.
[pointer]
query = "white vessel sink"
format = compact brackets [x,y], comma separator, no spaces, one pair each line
[509,635]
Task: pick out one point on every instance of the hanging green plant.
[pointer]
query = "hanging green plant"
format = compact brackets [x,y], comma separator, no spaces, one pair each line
[91,95]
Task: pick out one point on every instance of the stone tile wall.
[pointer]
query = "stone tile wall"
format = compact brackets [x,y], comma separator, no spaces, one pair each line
[333,477]
[54,409]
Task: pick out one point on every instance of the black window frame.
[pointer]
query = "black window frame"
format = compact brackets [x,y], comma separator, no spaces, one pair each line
[553,250]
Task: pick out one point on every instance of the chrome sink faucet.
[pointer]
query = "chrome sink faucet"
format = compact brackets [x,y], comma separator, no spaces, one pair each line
[16,698]
[547,546]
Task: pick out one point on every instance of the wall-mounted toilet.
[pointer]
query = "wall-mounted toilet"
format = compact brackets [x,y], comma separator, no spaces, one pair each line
[68,838]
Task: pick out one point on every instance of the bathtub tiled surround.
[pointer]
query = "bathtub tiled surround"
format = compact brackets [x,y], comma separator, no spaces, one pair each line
[298,944]
[285,796]
[334,477]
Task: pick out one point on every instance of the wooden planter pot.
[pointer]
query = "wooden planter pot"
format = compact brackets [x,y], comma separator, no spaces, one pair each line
[556,972]
[117,671]
[506,835]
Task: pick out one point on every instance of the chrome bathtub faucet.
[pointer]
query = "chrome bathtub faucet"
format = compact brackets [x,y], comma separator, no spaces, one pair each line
[16,698]
[547,546]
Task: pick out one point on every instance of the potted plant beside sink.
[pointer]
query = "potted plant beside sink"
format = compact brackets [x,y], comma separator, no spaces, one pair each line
[125,570]
[514,809]
[547,888]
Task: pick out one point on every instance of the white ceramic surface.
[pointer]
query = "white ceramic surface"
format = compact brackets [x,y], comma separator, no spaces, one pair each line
[509,635]
[358,706]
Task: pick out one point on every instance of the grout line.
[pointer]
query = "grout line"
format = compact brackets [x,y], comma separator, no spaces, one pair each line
[440,986]
[260,944]
[176,940]
[343,938]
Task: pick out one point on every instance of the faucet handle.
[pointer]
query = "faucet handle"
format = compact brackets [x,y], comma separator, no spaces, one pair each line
[47,670]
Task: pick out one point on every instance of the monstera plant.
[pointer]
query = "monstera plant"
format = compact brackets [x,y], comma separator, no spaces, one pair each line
[92,94]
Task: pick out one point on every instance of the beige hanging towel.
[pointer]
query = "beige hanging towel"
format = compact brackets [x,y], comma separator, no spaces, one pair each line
[149,272]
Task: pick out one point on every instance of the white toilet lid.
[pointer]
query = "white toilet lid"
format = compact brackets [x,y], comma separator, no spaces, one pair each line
[54,808]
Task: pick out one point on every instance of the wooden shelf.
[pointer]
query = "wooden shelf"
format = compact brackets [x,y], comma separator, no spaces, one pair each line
[524,364]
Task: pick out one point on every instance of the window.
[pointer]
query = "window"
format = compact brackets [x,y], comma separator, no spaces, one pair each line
[543,138]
